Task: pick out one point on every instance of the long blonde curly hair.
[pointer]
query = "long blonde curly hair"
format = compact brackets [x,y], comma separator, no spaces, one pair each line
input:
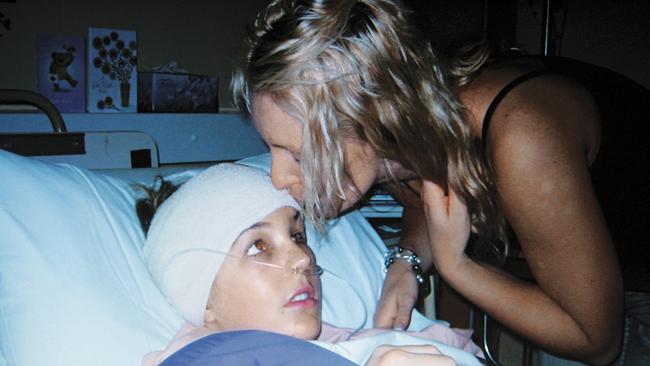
[361,69]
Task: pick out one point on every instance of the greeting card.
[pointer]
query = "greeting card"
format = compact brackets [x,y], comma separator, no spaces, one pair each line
[61,71]
[112,70]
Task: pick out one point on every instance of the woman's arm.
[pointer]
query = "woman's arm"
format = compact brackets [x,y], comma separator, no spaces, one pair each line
[539,153]
[400,290]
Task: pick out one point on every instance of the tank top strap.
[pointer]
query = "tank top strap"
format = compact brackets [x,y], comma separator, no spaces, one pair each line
[497,99]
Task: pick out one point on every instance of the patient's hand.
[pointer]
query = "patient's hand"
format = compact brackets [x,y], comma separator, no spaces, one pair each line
[398,297]
[408,355]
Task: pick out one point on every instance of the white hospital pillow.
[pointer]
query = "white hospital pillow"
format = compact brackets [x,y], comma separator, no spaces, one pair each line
[74,289]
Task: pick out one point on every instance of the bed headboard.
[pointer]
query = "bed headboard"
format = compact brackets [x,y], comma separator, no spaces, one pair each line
[167,138]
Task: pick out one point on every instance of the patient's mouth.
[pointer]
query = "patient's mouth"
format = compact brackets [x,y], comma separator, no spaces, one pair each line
[303,298]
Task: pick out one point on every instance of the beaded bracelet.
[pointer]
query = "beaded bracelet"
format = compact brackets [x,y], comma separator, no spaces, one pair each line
[413,259]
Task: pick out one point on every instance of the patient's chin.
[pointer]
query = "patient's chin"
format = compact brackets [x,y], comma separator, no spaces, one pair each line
[307,331]
[306,326]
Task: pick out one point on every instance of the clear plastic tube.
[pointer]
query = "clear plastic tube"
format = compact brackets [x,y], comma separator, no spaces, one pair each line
[317,271]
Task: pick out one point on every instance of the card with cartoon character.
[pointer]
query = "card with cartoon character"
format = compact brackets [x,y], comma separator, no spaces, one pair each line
[62,71]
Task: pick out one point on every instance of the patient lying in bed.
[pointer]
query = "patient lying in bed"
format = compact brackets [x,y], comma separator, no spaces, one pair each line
[230,253]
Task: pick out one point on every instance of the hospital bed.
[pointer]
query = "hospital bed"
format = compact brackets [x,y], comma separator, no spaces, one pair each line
[74,289]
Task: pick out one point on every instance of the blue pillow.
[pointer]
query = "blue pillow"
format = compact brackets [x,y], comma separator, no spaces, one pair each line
[253,348]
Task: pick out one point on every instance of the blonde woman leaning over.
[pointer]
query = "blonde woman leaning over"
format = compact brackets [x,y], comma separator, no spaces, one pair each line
[347,94]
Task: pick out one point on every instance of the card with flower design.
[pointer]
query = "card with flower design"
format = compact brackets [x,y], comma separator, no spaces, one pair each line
[112,70]
[62,71]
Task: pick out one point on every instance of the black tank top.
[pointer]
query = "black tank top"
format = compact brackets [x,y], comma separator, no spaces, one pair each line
[621,171]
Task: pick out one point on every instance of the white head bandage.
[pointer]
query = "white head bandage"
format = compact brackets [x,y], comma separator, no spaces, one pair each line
[207,213]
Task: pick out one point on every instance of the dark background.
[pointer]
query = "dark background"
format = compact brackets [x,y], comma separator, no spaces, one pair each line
[204,36]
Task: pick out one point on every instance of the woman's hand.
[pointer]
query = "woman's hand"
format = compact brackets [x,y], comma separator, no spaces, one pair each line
[398,297]
[434,225]
[448,225]
[408,355]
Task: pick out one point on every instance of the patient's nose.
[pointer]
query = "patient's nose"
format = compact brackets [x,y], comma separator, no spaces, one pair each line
[301,260]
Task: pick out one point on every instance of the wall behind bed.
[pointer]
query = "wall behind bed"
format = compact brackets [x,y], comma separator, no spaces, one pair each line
[203,36]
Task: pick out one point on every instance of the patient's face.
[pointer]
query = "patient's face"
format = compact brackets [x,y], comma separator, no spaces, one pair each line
[248,295]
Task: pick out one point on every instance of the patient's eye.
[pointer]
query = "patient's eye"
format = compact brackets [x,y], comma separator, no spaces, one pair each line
[257,247]
[299,238]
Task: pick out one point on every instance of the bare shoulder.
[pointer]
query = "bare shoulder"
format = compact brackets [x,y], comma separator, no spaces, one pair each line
[541,139]
[548,114]
[540,144]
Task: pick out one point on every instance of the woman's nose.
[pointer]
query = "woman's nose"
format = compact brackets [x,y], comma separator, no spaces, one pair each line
[279,177]
[286,174]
